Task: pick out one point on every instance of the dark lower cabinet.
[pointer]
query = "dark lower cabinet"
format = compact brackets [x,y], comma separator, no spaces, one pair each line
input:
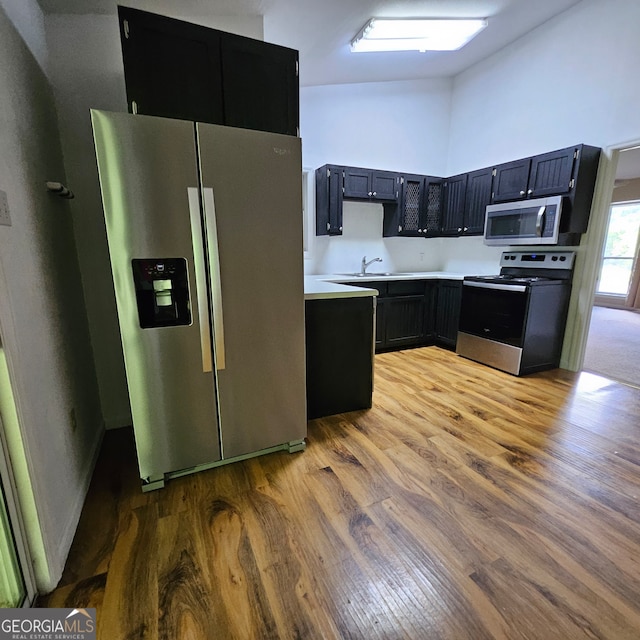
[339,355]
[404,321]
[447,314]
[415,313]
[177,69]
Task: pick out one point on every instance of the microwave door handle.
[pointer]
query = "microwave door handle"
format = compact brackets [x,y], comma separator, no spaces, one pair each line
[540,221]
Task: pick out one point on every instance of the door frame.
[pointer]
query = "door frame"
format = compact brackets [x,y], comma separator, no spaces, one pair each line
[589,257]
[16,520]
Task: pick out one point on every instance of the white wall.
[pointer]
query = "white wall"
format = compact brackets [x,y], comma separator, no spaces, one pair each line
[399,126]
[42,315]
[28,20]
[85,63]
[572,80]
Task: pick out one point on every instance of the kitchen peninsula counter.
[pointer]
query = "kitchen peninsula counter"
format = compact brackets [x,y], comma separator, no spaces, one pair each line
[340,334]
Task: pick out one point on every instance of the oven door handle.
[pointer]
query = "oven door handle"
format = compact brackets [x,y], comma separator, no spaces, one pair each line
[492,285]
[540,220]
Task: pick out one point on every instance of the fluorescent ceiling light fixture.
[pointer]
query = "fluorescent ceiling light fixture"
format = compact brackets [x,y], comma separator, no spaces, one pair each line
[416,34]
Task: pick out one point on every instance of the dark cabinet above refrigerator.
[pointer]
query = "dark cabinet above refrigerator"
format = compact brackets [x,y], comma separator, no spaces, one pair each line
[181,70]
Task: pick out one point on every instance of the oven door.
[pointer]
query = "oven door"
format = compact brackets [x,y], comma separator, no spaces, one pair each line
[494,311]
[492,324]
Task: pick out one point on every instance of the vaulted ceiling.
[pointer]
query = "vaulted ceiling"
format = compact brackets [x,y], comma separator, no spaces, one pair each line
[321,30]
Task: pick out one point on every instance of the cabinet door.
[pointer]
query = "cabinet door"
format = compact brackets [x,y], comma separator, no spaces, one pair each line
[430,300]
[380,323]
[384,186]
[432,207]
[448,312]
[171,68]
[454,191]
[551,173]
[411,205]
[404,321]
[259,85]
[357,183]
[510,180]
[329,200]
[478,197]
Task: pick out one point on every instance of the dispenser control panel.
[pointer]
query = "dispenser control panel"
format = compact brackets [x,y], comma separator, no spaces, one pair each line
[162,292]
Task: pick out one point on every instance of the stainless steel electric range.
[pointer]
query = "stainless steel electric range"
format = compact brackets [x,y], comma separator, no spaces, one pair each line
[515,321]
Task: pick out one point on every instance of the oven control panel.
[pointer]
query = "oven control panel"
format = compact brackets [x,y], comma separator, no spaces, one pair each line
[538,259]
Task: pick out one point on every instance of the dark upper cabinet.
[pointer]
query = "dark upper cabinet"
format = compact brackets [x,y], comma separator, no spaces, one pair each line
[171,68]
[427,206]
[453,209]
[551,173]
[548,174]
[419,209]
[568,172]
[465,200]
[409,215]
[370,184]
[329,183]
[181,70]
[511,179]
[259,85]
[479,185]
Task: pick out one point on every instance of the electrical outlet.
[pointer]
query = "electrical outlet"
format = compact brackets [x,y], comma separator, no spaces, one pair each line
[5,218]
[72,420]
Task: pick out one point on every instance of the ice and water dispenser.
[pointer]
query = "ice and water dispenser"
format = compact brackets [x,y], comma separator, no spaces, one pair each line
[162,292]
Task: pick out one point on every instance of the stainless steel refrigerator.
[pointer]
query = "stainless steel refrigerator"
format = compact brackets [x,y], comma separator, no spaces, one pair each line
[204,226]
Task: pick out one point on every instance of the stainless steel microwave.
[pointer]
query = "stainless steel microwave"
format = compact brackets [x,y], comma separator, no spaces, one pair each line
[535,221]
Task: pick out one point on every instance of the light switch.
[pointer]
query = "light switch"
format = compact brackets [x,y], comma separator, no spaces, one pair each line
[5,218]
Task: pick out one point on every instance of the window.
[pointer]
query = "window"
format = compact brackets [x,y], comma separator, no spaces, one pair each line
[620,249]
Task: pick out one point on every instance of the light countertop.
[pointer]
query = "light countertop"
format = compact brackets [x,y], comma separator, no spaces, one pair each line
[332,285]
[316,289]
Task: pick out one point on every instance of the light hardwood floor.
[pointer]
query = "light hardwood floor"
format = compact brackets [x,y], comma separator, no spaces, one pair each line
[467,504]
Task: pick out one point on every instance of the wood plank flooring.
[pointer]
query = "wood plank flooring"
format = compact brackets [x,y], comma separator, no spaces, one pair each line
[466,504]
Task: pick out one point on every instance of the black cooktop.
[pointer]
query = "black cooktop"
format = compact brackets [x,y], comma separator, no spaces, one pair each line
[506,278]
[531,269]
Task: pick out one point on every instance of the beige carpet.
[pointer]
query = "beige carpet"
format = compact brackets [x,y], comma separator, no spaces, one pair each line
[613,345]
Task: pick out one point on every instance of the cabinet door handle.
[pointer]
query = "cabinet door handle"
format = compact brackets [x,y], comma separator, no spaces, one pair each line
[374,193]
[459,229]
[466,229]
[369,193]
[522,193]
[339,228]
[530,192]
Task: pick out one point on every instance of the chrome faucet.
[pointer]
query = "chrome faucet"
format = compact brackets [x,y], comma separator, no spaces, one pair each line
[365,264]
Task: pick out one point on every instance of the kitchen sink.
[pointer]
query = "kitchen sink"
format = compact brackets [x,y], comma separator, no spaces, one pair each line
[374,274]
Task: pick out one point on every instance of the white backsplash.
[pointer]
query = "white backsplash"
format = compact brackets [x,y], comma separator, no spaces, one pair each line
[362,236]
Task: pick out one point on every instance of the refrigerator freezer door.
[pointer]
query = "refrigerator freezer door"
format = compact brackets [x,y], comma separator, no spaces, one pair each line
[148,170]
[256,183]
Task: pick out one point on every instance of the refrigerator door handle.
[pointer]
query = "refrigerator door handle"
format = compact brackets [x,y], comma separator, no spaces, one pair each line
[201,277]
[211,227]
